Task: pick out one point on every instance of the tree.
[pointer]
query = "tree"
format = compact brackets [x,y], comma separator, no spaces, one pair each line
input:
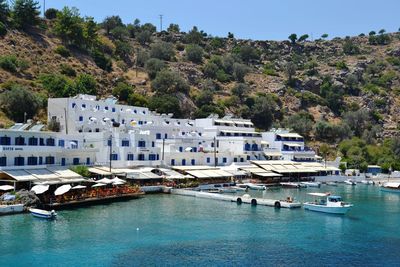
[210,70]
[349,47]
[138,100]
[262,111]
[153,66]
[194,36]
[293,38]
[18,102]
[324,151]
[122,90]
[69,26]
[51,13]
[173,28]
[165,104]
[90,36]
[25,13]
[324,36]
[239,71]
[372,33]
[4,11]
[231,35]
[119,33]
[55,84]
[303,38]
[101,60]
[248,53]
[168,82]
[204,98]
[162,50]
[290,69]
[301,123]
[84,84]
[240,90]
[194,53]
[382,31]
[148,27]
[110,23]
[123,50]
[357,120]
[143,37]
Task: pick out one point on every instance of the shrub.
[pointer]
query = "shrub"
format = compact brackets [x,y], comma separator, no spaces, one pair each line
[167,82]
[194,36]
[269,69]
[222,77]
[194,53]
[102,61]
[248,53]
[123,49]
[217,42]
[135,99]
[12,64]
[81,170]
[143,37]
[207,110]
[3,29]
[120,33]
[153,66]
[204,98]
[162,50]
[210,70]
[19,101]
[25,13]
[173,28]
[122,90]
[51,13]
[62,51]
[110,23]
[55,84]
[341,65]
[141,57]
[240,90]
[350,48]
[301,123]
[239,71]
[67,70]
[395,61]
[165,104]
[84,84]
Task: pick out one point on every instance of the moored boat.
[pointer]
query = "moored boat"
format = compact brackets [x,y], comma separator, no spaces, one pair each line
[393,187]
[331,183]
[367,182]
[311,184]
[10,209]
[256,186]
[290,185]
[327,203]
[43,214]
[349,182]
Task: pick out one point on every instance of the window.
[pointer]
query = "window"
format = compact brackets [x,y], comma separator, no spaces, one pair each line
[19,161]
[193,162]
[208,160]
[113,109]
[241,159]
[41,141]
[248,157]
[105,108]
[158,136]
[3,161]
[32,161]
[125,142]
[158,156]
[183,162]
[80,118]
[114,156]
[50,160]
[61,143]
[5,141]
[153,144]
[83,105]
[87,161]
[19,141]
[234,159]
[152,157]
[75,161]
[63,162]
[180,149]
[41,160]
[172,162]
[50,142]
[142,144]
[74,144]
[33,141]
[141,157]
[130,157]
[165,136]
[224,160]
[73,105]
[109,142]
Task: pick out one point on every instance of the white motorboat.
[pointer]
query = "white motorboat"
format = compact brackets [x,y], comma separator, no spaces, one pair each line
[43,214]
[324,202]
[227,190]
[239,189]
[10,209]
[367,182]
[391,187]
[311,184]
[349,182]
[256,186]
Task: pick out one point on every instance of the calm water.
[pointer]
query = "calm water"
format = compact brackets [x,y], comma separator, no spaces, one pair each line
[178,230]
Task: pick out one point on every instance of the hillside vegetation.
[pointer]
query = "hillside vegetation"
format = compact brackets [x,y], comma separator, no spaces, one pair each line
[343,90]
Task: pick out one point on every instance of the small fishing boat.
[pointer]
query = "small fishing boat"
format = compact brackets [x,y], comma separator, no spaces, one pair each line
[349,182]
[367,182]
[10,209]
[391,187]
[43,214]
[239,189]
[226,190]
[311,184]
[290,185]
[324,202]
[256,186]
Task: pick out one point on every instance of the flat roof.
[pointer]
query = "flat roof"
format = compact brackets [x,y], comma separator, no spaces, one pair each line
[295,135]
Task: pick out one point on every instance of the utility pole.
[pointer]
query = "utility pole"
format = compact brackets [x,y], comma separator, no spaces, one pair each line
[44,7]
[215,152]
[163,147]
[137,55]
[161,17]
[110,151]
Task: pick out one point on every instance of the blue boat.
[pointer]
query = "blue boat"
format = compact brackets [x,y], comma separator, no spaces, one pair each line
[43,214]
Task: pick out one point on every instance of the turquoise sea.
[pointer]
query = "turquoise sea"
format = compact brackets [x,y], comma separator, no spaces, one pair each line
[168,230]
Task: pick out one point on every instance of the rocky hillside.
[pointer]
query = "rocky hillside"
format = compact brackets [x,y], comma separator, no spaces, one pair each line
[325,89]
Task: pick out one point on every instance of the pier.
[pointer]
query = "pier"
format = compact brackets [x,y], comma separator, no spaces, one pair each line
[238,199]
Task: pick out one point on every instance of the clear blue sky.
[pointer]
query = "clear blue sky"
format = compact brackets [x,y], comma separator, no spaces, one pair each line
[255,19]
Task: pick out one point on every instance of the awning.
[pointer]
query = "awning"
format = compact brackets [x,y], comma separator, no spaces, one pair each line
[43,174]
[104,181]
[198,167]
[290,135]
[264,142]
[224,121]
[292,145]
[78,187]
[98,171]
[6,187]
[20,175]
[273,153]
[98,185]
[65,173]
[243,132]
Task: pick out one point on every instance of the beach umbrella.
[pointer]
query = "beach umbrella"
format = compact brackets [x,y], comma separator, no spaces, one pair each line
[117,180]
[39,189]
[119,183]
[6,187]
[78,187]
[62,190]
[98,185]
[105,181]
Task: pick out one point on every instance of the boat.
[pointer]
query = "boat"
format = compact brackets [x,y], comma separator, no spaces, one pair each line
[393,187]
[331,204]
[227,190]
[43,214]
[349,182]
[239,189]
[367,182]
[256,186]
[10,209]
[290,185]
[331,183]
[311,184]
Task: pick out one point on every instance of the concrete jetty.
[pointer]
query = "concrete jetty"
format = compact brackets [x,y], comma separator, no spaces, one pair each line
[245,199]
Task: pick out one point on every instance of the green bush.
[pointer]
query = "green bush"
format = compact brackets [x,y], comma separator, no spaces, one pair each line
[395,61]
[269,69]
[222,77]
[204,98]
[67,70]
[135,99]
[19,101]
[165,104]
[162,50]
[169,82]
[349,47]
[62,51]
[84,84]
[3,29]
[102,61]
[55,84]
[153,66]
[210,70]
[51,13]
[123,91]
[25,13]
[194,53]
[247,53]
[341,65]
[141,57]
[240,71]
[12,64]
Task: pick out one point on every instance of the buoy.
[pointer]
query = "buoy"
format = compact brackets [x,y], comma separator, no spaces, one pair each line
[137,229]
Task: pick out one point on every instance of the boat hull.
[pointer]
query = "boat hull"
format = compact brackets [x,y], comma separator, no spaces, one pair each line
[10,209]
[326,209]
[391,190]
[43,214]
